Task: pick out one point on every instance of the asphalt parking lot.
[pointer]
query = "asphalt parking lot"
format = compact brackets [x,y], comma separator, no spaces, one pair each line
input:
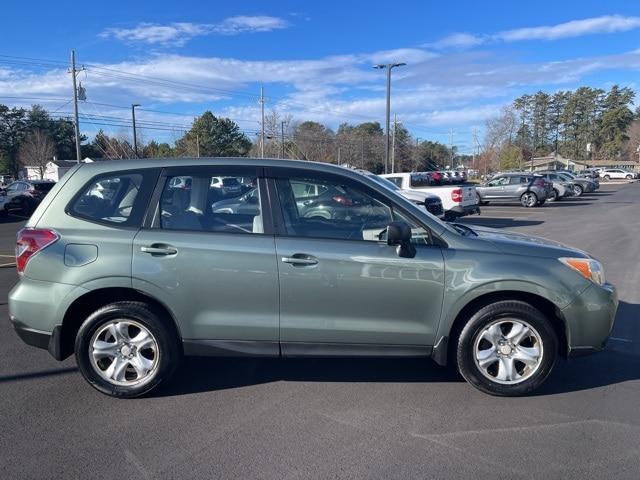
[237,418]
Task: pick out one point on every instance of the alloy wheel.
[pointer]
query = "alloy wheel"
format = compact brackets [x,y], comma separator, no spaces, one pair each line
[508,351]
[124,352]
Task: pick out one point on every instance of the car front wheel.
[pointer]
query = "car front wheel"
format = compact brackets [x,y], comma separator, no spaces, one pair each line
[125,349]
[578,190]
[507,348]
[529,199]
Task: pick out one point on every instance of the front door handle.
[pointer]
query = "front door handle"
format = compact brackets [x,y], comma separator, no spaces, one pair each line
[300,260]
[159,250]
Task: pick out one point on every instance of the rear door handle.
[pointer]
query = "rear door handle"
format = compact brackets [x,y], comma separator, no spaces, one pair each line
[159,250]
[300,260]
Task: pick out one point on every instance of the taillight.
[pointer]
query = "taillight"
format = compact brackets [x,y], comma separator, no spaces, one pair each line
[456,195]
[342,200]
[29,242]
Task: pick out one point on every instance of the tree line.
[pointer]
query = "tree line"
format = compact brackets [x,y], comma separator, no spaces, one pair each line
[533,125]
[583,124]
[33,137]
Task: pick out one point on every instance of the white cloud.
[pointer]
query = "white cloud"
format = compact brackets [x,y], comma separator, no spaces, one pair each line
[179,33]
[571,29]
[458,40]
[455,90]
[574,28]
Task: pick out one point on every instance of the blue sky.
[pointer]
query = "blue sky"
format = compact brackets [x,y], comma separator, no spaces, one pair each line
[465,60]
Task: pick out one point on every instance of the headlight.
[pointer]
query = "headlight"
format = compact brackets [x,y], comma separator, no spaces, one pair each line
[588,267]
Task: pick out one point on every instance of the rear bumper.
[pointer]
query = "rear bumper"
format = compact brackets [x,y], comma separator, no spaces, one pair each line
[590,318]
[49,341]
[462,211]
[36,309]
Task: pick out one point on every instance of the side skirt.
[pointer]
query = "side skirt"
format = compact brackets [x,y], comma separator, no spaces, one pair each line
[241,348]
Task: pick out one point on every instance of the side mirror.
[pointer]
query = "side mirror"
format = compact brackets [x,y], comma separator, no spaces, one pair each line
[399,234]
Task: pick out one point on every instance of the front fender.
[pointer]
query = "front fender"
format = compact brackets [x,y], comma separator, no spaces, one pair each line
[455,304]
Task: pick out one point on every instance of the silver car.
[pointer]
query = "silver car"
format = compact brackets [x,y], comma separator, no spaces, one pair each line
[530,190]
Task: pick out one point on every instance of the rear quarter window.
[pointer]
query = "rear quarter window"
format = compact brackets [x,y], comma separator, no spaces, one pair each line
[118,198]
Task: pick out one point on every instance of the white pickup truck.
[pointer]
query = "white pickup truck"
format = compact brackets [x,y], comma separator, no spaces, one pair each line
[457,200]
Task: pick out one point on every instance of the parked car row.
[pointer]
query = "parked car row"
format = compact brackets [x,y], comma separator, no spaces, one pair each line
[444,177]
[23,196]
[533,189]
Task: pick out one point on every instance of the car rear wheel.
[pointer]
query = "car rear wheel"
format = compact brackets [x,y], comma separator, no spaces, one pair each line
[507,348]
[125,349]
[629,177]
[607,177]
[578,190]
[555,195]
[529,199]
[479,200]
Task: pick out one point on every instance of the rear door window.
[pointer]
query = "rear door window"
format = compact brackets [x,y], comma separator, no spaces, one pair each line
[204,203]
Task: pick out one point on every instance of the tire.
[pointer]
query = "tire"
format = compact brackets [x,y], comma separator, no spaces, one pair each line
[578,190]
[629,177]
[479,200]
[607,178]
[160,351]
[529,199]
[555,196]
[497,321]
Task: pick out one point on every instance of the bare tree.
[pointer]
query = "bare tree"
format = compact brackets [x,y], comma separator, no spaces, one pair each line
[36,150]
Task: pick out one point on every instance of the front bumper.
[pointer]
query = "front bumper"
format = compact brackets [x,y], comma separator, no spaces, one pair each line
[590,318]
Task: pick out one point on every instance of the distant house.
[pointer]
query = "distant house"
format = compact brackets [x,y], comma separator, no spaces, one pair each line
[54,170]
[555,162]
[558,162]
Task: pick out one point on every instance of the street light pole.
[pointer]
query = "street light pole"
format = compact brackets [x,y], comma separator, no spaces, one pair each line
[135,136]
[388,67]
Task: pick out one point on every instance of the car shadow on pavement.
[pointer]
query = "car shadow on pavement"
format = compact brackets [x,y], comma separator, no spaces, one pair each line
[568,203]
[619,362]
[209,374]
[500,222]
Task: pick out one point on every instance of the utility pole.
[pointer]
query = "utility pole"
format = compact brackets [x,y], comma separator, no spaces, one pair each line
[262,123]
[417,154]
[197,145]
[75,104]
[135,136]
[388,67]
[281,139]
[451,148]
[339,160]
[362,152]
[393,144]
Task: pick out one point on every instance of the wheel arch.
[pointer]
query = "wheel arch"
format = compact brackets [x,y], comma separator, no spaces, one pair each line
[89,302]
[546,306]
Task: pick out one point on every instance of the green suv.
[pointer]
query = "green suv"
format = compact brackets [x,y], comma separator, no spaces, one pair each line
[130,265]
